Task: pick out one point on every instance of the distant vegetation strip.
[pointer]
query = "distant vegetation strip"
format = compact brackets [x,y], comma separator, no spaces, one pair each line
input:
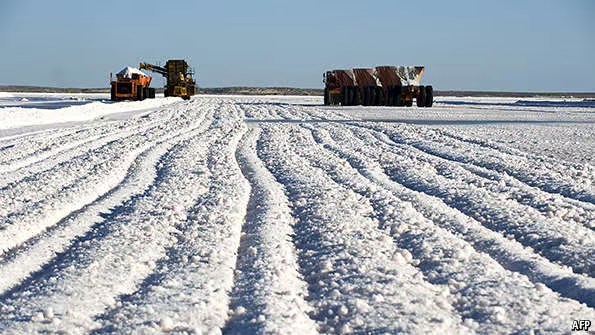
[300,91]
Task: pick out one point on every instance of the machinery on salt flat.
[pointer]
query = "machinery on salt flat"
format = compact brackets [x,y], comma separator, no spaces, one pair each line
[341,87]
[178,76]
[380,86]
[131,84]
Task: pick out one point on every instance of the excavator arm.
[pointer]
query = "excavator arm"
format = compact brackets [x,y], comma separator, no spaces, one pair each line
[154,68]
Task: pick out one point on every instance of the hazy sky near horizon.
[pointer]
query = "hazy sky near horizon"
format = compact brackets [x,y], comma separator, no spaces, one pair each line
[526,45]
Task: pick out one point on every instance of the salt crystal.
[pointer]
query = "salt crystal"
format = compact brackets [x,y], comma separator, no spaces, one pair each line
[343,310]
[252,251]
[346,329]
[37,317]
[540,287]
[48,313]
[166,324]
[335,294]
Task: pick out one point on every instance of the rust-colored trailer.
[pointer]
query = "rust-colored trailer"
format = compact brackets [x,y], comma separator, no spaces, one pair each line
[411,89]
[340,88]
[370,89]
[380,86]
[391,84]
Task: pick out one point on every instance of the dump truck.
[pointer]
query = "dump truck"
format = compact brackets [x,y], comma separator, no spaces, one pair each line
[178,76]
[131,84]
[379,86]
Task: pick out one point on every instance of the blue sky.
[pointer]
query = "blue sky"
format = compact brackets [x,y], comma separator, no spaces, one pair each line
[529,45]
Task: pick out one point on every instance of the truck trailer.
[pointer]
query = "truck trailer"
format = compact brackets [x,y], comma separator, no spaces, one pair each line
[379,86]
[340,88]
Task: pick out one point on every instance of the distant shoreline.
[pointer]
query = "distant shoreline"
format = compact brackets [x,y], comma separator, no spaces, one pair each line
[299,91]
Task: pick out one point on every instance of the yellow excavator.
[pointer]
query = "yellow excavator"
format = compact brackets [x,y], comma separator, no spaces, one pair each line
[178,76]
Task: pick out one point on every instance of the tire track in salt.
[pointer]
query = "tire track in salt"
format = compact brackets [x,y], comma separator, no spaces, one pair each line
[32,168]
[112,258]
[551,204]
[59,202]
[542,175]
[21,262]
[445,259]
[511,254]
[24,145]
[35,186]
[560,207]
[529,188]
[268,294]
[46,133]
[494,210]
[22,153]
[354,272]
[187,291]
[566,209]
[67,147]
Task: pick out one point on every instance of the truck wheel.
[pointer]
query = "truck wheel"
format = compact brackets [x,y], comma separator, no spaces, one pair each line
[429,96]
[389,97]
[395,93]
[365,96]
[421,97]
[326,102]
[139,93]
[348,96]
[409,103]
[396,96]
[357,99]
[113,93]
[380,99]
[377,96]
